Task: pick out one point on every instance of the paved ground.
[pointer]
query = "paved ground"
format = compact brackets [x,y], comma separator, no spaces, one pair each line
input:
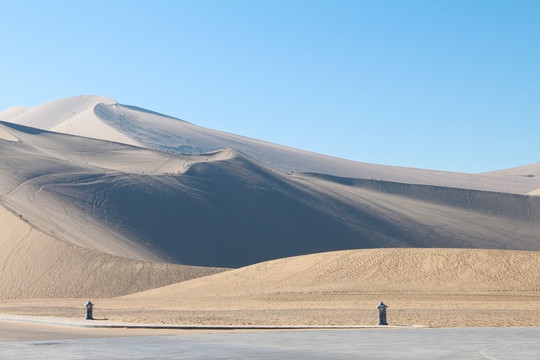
[376,343]
[16,331]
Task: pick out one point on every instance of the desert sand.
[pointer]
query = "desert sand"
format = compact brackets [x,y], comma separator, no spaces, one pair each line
[423,287]
[103,118]
[36,265]
[157,220]
[224,209]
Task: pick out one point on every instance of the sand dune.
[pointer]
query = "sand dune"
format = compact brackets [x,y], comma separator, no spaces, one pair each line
[6,135]
[103,118]
[528,171]
[451,271]
[12,112]
[429,287]
[96,201]
[35,265]
[432,287]
[73,116]
[224,209]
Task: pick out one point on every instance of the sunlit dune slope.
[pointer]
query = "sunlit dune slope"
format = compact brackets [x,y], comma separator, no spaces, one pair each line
[530,171]
[74,115]
[385,271]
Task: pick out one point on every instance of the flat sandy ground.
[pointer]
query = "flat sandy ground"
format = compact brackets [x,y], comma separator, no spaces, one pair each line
[328,309]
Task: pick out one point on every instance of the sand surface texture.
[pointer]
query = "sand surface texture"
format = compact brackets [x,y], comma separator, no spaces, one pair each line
[145,215]
[224,209]
[428,287]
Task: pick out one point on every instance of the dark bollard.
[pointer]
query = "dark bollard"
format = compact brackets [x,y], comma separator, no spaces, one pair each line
[89,307]
[382,314]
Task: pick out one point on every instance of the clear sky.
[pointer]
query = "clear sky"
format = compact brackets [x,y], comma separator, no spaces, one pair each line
[446,85]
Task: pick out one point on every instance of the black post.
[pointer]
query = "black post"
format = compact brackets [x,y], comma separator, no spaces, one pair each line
[382,314]
[89,307]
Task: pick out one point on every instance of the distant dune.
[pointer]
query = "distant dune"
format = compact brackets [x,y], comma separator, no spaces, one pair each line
[101,200]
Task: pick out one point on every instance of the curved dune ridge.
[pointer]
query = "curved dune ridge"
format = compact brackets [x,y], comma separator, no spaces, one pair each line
[103,118]
[12,112]
[74,115]
[35,265]
[224,209]
[52,179]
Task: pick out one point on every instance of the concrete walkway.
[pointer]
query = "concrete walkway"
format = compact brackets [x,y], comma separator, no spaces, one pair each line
[363,343]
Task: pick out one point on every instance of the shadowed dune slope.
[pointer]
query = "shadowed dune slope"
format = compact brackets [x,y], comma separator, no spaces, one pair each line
[525,208]
[434,271]
[35,265]
[226,210]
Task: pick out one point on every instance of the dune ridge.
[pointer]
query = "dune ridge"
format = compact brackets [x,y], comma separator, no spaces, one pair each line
[74,115]
[133,125]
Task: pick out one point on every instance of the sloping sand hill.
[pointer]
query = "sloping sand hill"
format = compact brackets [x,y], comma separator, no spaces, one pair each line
[527,171]
[224,209]
[465,271]
[103,118]
[113,210]
[428,287]
[35,265]
[432,287]
[73,115]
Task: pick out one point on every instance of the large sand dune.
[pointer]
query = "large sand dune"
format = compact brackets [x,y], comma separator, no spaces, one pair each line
[101,200]
[224,209]
[103,118]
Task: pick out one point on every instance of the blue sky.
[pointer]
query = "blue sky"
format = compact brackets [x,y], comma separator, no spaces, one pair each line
[446,85]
